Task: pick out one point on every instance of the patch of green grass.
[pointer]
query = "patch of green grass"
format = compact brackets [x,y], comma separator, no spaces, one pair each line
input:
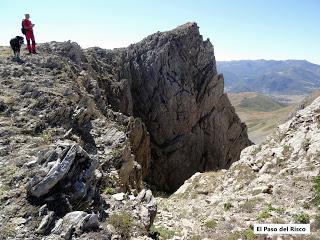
[122,222]
[196,237]
[279,136]
[244,235]
[255,151]
[249,205]
[249,235]
[8,100]
[227,206]
[316,189]
[162,194]
[306,205]
[234,236]
[211,224]
[4,189]
[81,205]
[117,154]
[261,103]
[245,173]
[277,210]
[7,173]
[278,220]
[302,218]
[287,150]
[7,231]
[164,232]
[108,191]
[264,215]
[47,137]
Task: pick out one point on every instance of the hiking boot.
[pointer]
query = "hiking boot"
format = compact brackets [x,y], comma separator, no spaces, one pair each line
[34,52]
[29,53]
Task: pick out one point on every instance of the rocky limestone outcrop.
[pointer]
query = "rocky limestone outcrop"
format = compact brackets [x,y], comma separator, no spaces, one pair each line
[65,178]
[61,153]
[76,221]
[170,81]
[81,130]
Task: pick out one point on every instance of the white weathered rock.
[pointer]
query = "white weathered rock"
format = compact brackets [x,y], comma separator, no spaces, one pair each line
[119,196]
[75,221]
[45,223]
[265,167]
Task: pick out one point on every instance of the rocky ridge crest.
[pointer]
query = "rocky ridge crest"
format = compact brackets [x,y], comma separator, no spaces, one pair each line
[81,130]
[170,81]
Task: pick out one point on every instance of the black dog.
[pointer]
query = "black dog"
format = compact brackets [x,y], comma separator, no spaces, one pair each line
[15,44]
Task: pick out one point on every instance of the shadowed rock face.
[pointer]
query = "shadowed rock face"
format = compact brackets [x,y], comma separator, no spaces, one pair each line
[170,81]
[175,89]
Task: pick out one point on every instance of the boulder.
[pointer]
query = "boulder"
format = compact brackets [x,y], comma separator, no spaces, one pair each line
[65,175]
[45,223]
[76,221]
[147,208]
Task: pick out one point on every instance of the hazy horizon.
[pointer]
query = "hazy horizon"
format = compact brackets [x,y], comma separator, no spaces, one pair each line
[238,30]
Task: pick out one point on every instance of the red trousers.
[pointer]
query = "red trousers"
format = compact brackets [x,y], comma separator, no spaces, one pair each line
[30,36]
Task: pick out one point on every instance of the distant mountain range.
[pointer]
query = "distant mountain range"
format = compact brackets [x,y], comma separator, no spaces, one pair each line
[270,77]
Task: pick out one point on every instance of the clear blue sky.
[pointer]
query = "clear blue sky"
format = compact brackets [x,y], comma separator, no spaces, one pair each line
[238,29]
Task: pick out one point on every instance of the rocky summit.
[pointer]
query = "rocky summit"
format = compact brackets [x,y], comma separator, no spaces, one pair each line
[86,133]
[170,81]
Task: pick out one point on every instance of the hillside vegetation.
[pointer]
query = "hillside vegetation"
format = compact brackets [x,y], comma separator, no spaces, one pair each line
[261,103]
[261,113]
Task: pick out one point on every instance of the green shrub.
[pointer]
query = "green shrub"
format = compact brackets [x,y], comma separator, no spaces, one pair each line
[264,214]
[248,234]
[234,236]
[165,233]
[302,218]
[277,210]
[306,205]
[227,206]
[255,151]
[7,231]
[211,224]
[196,237]
[122,222]
[249,205]
[47,136]
[245,235]
[109,191]
[316,188]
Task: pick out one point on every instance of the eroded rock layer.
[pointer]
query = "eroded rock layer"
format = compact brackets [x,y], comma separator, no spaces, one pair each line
[170,80]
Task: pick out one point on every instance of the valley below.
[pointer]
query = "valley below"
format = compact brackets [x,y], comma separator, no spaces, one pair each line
[262,114]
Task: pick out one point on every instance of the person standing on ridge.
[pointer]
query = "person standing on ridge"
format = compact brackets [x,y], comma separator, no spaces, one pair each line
[28,27]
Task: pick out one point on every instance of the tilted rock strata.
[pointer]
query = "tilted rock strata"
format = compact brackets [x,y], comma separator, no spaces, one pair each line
[176,91]
[59,152]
